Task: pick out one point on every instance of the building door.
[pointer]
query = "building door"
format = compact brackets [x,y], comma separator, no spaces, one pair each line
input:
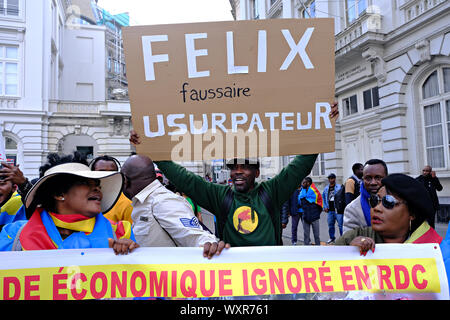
[82,143]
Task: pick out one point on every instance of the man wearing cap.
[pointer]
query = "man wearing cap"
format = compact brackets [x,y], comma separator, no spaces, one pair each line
[248,214]
[328,206]
[247,220]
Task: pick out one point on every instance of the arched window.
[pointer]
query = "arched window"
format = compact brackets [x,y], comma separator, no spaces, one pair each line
[435,103]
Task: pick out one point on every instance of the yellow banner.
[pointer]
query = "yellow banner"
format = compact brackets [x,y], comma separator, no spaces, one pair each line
[418,275]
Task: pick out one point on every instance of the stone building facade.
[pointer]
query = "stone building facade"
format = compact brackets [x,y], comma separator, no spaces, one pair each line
[392,82]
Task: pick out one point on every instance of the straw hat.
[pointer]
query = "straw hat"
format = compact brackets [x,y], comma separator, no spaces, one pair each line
[110,182]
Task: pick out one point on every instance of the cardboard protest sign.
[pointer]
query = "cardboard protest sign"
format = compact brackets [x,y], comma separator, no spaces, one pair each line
[393,271]
[231,89]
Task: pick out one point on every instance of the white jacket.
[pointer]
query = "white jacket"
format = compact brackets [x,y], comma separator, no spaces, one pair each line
[162,218]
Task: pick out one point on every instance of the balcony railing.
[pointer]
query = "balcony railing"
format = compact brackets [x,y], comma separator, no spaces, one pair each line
[80,108]
[74,107]
[370,21]
[8,103]
[411,9]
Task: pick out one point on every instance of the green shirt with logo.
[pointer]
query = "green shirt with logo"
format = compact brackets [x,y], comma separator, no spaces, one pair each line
[248,221]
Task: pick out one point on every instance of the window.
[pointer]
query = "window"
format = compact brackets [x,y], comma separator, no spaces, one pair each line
[9,70]
[109,62]
[431,86]
[354,9]
[309,11]
[371,98]
[435,101]
[433,134]
[350,105]
[319,166]
[9,7]
[446,73]
[255,9]
[11,150]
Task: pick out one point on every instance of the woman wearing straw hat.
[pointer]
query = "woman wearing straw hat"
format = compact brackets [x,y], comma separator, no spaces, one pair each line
[63,210]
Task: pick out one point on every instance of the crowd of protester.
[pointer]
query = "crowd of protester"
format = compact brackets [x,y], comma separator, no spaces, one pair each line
[103,204]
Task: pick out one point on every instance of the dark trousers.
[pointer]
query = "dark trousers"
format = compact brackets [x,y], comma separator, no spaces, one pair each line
[432,218]
[294,222]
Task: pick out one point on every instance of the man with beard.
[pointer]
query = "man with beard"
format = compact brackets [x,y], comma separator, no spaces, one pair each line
[245,213]
[357,213]
[257,202]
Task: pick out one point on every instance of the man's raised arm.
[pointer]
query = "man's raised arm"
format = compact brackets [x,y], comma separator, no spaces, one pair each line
[284,184]
[207,195]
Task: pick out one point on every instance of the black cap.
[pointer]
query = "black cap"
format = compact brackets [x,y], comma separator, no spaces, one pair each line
[331,175]
[252,162]
[410,190]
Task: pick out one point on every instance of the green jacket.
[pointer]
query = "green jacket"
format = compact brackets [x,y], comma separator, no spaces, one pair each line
[250,223]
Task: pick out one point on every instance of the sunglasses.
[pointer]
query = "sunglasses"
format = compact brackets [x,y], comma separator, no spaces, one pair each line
[87,181]
[388,201]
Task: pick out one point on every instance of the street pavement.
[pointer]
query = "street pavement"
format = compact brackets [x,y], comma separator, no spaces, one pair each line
[208,220]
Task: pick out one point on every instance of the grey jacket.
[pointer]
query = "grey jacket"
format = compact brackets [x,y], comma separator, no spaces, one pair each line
[354,216]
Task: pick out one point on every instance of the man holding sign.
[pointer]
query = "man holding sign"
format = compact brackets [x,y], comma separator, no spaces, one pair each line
[248,214]
[246,87]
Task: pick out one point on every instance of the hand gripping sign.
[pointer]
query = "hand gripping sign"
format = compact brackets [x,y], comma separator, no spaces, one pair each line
[232,89]
[403,271]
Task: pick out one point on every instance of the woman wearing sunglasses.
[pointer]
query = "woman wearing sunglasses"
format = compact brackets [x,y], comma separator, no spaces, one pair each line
[398,215]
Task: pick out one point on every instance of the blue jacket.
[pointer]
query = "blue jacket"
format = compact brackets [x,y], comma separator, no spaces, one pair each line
[445,249]
[325,194]
[310,209]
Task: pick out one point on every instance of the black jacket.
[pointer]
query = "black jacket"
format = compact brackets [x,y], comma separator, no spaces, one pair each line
[431,184]
[290,207]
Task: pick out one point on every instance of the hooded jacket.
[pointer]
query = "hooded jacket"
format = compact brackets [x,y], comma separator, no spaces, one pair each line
[311,203]
[248,222]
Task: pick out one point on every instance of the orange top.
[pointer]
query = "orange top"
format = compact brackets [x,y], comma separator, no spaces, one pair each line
[121,210]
